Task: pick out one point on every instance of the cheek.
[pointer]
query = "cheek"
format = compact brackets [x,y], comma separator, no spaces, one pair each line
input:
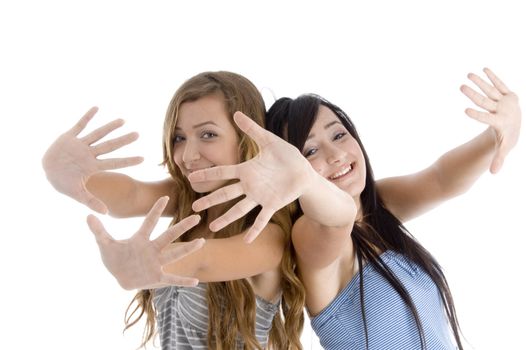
[317,165]
[234,153]
[177,158]
[356,147]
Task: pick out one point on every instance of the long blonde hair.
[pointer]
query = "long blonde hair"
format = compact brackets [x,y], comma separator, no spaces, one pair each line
[231,304]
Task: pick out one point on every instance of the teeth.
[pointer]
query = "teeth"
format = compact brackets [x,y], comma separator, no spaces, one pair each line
[340,173]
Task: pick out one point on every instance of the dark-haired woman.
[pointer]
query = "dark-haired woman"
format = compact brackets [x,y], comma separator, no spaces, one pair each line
[369,283]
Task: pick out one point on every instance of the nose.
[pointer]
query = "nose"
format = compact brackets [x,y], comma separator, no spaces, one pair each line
[335,154]
[190,152]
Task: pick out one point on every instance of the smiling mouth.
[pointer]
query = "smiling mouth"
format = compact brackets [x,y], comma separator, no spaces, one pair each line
[342,173]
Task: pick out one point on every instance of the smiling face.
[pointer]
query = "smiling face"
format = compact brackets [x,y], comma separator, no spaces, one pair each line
[335,154]
[204,137]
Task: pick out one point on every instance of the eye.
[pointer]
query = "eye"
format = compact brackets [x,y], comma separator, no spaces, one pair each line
[208,135]
[339,135]
[177,139]
[309,152]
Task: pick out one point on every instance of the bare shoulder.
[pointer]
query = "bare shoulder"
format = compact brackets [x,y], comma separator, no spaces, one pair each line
[324,283]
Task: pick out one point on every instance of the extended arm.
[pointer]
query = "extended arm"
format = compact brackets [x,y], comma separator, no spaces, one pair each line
[323,230]
[457,170]
[138,263]
[225,259]
[127,197]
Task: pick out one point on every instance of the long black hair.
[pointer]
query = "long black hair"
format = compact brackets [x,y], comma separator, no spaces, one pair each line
[378,229]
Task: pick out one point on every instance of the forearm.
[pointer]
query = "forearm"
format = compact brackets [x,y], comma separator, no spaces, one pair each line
[458,169]
[116,190]
[226,259]
[326,204]
[127,197]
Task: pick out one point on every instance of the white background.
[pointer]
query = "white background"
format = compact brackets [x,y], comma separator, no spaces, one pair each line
[394,66]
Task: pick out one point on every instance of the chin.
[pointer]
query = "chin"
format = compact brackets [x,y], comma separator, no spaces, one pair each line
[354,189]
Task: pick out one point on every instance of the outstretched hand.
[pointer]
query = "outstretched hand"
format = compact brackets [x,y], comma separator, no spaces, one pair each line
[502,113]
[71,160]
[277,176]
[137,262]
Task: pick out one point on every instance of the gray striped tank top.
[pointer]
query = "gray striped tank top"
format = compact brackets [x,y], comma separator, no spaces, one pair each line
[182,317]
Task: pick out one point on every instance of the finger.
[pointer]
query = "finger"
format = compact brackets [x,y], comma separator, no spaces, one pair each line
[104,130]
[490,90]
[240,209]
[101,235]
[259,225]
[174,280]
[81,124]
[219,196]
[483,117]
[153,217]
[499,157]
[253,129]
[478,99]
[496,81]
[94,203]
[181,250]
[496,163]
[114,144]
[223,172]
[172,233]
[85,197]
[117,163]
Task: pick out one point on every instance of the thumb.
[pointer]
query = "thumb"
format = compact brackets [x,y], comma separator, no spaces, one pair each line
[96,227]
[251,128]
[496,163]
[93,202]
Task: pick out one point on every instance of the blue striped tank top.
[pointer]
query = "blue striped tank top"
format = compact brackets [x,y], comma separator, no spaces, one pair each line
[182,317]
[390,323]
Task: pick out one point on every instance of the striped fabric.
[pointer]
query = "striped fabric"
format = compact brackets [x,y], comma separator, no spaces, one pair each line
[390,323]
[182,317]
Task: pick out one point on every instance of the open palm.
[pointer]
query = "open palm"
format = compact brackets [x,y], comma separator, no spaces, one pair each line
[70,160]
[274,178]
[137,262]
[501,112]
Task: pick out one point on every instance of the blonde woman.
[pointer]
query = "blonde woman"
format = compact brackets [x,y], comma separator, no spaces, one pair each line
[248,296]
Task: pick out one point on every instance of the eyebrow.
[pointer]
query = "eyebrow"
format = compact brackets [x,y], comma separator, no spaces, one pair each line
[327,126]
[199,125]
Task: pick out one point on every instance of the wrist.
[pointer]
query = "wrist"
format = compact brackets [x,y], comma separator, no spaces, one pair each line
[312,183]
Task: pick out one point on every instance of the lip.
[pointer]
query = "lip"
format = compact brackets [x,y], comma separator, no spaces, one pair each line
[342,173]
